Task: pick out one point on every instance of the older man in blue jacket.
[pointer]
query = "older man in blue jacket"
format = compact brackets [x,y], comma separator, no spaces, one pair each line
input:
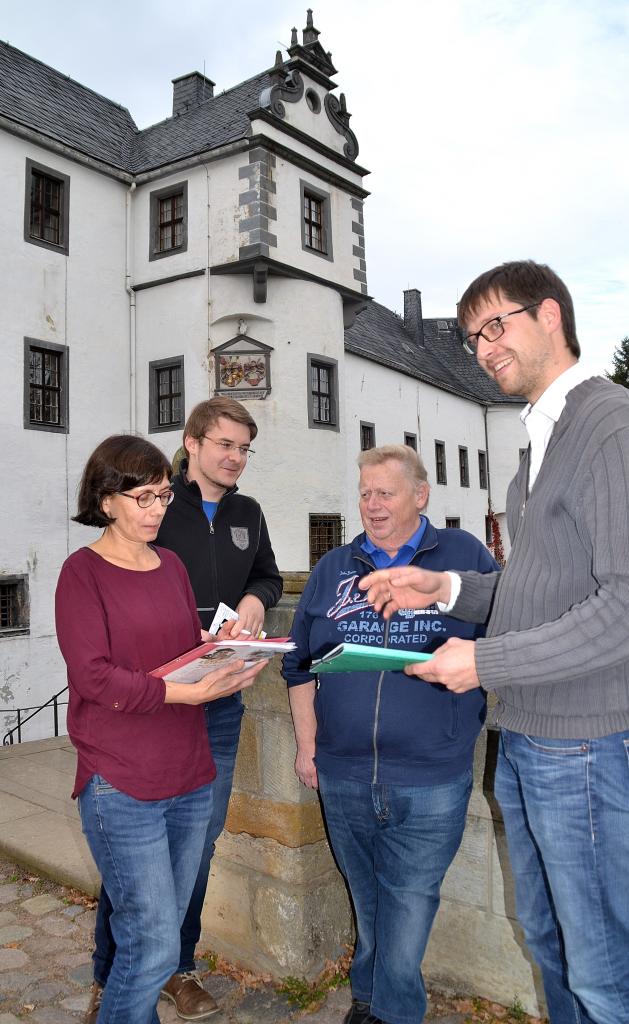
[391,756]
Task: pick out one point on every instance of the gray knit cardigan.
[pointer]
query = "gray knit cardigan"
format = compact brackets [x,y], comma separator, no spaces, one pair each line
[557,646]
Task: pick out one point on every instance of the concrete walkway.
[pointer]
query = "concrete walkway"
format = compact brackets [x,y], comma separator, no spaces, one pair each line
[39,823]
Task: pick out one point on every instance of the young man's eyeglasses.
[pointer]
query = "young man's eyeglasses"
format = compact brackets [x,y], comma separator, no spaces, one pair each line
[243,449]
[492,330]
[146,498]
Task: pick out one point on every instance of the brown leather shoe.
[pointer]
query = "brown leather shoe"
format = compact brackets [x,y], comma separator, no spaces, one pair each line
[96,998]
[191,1000]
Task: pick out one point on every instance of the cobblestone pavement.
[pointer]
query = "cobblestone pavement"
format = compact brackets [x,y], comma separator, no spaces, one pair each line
[46,934]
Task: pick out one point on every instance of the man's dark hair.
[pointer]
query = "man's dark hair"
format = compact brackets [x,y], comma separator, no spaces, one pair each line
[524,282]
[120,463]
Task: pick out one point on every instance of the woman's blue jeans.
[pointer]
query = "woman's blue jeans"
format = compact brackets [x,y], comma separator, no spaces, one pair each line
[565,805]
[147,852]
[394,845]
[223,720]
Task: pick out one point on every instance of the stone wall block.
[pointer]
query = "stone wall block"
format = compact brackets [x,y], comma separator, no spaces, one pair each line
[288,823]
[248,773]
[278,760]
[467,879]
[226,911]
[309,864]
[300,930]
[471,951]
[269,692]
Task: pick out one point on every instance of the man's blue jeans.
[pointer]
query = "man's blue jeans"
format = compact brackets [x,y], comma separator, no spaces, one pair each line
[223,719]
[147,852]
[565,805]
[394,845]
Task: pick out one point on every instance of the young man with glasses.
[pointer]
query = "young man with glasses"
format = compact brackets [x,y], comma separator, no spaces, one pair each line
[222,538]
[556,650]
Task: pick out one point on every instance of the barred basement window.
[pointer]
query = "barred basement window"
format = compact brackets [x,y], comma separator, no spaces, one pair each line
[327,531]
[166,394]
[14,605]
[453,523]
[45,386]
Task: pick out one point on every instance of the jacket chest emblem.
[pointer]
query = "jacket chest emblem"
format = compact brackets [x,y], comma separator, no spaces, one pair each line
[240,537]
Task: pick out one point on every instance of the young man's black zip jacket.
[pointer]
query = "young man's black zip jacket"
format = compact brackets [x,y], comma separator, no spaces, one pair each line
[226,560]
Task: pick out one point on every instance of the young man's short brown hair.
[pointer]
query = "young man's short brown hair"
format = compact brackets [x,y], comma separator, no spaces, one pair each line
[524,282]
[206,414]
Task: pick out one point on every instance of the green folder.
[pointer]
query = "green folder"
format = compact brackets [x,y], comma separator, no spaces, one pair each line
[350,658]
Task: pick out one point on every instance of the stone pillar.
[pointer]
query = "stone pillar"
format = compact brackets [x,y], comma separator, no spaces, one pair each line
[276,902]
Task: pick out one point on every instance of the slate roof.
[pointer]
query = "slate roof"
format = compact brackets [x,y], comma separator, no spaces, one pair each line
[379,334]
[38,97]
[34,95]
[214,123]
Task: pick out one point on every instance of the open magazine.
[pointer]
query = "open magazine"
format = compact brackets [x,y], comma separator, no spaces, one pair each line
[194,664]
[350,658]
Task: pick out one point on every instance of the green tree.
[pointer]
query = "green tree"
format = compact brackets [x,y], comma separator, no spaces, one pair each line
[620,373]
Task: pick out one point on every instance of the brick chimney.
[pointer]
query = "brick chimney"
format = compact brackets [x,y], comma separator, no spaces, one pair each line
[413,322]
[190,91]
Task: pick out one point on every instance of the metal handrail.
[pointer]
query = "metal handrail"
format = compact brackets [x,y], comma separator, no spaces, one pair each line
[7,739]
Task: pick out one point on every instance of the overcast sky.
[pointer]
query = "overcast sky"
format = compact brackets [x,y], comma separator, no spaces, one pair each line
[494,129]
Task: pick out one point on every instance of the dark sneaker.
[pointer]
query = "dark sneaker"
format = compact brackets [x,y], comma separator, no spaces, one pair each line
[359,1013]
[191,1000]
[96,998]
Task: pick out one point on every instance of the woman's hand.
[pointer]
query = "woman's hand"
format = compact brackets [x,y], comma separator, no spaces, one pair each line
[219,683]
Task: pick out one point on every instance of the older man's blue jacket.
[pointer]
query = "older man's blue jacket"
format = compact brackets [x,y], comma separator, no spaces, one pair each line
[386,727]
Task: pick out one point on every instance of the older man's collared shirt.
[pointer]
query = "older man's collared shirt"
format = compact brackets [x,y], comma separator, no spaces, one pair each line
[540,418]
[383,561]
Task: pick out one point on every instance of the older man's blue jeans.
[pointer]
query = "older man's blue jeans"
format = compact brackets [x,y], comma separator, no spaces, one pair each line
[394,845]
[223,720]
[147,852]
[565,805]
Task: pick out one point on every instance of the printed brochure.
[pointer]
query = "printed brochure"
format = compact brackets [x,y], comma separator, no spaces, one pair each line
[194,664]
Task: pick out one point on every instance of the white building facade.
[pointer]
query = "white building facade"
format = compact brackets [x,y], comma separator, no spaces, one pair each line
[220,251]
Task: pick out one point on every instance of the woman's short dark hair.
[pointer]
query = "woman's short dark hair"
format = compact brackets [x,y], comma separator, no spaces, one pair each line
[120,463]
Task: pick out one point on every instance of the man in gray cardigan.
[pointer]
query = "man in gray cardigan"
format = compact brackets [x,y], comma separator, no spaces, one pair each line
[556,651]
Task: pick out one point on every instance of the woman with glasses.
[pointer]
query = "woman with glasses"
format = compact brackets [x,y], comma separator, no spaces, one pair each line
[144,767]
